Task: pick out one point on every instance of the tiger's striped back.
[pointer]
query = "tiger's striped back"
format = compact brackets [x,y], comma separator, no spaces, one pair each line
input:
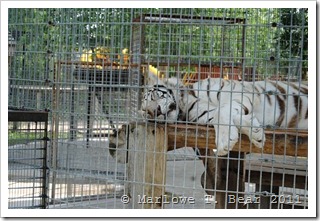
[274,103]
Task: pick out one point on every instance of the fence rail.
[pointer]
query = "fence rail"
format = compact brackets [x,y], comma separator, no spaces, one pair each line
[28,170]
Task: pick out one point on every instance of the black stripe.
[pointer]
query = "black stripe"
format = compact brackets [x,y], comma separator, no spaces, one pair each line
[256,89]
[301,89]
[218,94]
[205,112]
[282,111]
[266,94]
[280,102]
[246,111]
[293,122]
[191,92]
[159,86]
[298,105]
[208,90]
[192,105]
[304,90]
[306,115]
[248,99]
[281,89]
[166,91]
[297,102]
[256,92]
[269,99]
[170,91]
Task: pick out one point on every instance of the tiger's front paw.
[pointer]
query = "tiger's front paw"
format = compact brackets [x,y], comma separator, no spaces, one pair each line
[225,139]
[144,114]
[147,116]
[258,137]
[252,128]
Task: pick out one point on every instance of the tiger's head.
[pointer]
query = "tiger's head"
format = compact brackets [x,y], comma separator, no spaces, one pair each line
[160,101]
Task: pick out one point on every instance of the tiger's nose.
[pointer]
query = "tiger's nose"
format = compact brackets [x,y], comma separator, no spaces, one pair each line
[172,106]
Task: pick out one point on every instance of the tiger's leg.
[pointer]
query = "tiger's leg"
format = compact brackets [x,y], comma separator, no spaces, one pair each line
[250,126]
[227,134]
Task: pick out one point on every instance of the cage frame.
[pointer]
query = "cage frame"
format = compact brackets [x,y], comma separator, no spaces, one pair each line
[16,115]
[138,68]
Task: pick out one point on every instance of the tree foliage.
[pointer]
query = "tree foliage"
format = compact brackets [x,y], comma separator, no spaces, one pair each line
[273,37]
[292,38]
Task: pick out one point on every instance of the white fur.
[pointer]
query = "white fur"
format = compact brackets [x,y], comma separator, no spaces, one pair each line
[227,115]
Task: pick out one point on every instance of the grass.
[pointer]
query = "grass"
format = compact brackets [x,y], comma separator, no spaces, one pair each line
[17,137]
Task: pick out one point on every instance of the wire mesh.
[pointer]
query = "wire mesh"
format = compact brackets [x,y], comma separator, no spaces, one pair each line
[27,163]
[89,67]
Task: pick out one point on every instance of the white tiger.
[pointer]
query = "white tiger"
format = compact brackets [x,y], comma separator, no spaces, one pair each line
[230,106]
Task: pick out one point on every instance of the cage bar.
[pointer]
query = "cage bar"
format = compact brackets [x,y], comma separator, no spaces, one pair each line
[28,170]
[89,68]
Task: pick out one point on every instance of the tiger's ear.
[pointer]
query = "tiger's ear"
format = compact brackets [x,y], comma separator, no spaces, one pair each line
[173,82]
[153,79]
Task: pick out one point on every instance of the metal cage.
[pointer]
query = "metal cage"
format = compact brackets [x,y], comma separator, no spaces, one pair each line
[88,68]
[216,56]
[28,156]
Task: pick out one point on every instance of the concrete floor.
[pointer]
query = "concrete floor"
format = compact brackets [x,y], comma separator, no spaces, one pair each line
[89,178]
